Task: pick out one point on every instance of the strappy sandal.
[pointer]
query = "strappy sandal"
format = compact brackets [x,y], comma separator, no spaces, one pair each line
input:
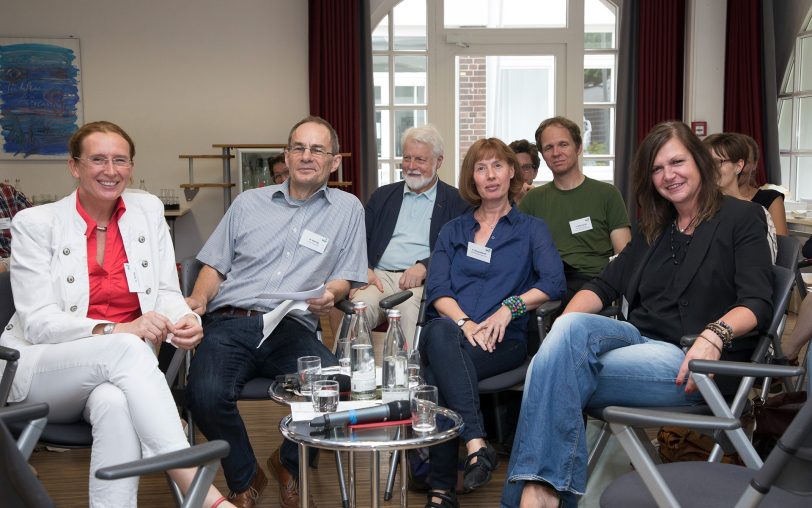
[448,499]
[479,473]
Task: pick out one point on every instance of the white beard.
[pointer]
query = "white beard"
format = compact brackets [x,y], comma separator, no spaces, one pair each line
[418,182]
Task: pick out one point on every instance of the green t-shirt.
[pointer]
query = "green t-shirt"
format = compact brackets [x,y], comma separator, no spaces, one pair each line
[580,221]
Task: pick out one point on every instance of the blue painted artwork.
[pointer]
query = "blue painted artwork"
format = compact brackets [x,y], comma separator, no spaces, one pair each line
[39,98]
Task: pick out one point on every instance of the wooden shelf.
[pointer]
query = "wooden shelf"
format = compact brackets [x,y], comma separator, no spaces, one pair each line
[199,185]
[205,156]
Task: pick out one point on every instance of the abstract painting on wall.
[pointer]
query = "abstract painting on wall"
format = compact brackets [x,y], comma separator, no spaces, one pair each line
[40,97]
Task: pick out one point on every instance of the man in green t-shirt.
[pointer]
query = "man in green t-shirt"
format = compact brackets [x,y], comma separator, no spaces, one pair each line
[587,218]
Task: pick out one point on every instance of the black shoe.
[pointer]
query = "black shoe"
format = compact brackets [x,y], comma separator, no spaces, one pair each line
[479,473]
[448,499]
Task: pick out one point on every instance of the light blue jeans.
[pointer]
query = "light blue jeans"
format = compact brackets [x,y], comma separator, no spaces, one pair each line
[585,361]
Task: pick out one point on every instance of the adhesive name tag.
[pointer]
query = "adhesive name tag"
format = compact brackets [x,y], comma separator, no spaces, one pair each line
[133,282]
[479,252]
[313,241]
[5,223]
[624,308]
[580,225]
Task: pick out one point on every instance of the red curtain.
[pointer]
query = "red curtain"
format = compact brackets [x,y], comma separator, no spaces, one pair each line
[661,45]
[743,74]
[335,76]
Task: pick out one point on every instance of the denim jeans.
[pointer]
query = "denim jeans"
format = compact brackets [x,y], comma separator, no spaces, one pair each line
[585,361]
[224,361]
[455,367]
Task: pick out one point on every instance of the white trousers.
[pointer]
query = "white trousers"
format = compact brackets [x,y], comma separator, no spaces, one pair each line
[409,309]
[113,382]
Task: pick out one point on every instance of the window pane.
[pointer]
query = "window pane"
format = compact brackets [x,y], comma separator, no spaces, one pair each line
[383,173]
[599,78]
[600,19]
[598,131]
[805,61]
[505,13]
[600,169]
[785,172]
[789,86]
[382,132]
[380,36]
[784,124]
[804,178]
[410,79]
[409,19]
[404,120]
[380,78]
[805,123]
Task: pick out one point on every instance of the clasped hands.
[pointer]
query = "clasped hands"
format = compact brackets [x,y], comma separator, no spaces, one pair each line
[487,333]
[154,328]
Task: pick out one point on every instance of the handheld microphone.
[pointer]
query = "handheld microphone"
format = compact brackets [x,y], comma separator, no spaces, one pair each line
[391,411]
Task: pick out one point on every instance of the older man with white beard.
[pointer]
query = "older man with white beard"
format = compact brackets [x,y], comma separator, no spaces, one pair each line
[403,220]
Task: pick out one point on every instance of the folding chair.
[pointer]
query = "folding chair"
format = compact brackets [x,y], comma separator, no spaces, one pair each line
[782,480]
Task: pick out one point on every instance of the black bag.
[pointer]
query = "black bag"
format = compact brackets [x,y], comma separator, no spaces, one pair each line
[772,417]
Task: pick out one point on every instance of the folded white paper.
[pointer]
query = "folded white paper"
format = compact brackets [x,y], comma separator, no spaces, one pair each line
[300,295]
[271,319]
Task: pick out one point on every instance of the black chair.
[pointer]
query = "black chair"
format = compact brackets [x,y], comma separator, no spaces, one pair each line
[19,487]
[782,480]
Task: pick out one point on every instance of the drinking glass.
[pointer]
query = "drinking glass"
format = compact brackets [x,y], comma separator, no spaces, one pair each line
[423,400]
[325,395]
[309,367]
[343,350]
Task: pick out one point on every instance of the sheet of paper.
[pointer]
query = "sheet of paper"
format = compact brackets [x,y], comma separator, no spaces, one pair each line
[303,411]
[301,295]
[271,319]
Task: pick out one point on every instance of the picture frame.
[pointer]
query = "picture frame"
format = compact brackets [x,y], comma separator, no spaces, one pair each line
[40,97]
[254,168]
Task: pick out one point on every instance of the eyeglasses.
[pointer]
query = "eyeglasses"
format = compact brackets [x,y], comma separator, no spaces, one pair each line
[315,151]
[99,161]
[527,167]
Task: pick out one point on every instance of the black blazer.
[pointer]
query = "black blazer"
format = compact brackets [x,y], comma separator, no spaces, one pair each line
[383,208]
[727,265]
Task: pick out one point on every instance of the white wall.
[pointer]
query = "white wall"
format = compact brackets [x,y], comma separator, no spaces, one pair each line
[705,63]
[178,76]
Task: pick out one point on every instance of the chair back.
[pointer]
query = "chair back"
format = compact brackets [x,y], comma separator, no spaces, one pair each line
[789,464]
[19,487]
[789,252]
[189,270]
[6,299]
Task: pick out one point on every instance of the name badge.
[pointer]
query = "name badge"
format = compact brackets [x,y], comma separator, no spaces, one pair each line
[313,241]
[624,308]
[5,223]
[580,225]
[133,282]
[479,252]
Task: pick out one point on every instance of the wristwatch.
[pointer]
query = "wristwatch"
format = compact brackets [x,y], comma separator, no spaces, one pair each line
[461,322]
[108,328]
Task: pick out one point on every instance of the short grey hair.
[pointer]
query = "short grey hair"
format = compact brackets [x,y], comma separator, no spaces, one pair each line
[427,134]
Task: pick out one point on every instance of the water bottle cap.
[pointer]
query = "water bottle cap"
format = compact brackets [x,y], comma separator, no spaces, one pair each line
[359,305]
[394,313]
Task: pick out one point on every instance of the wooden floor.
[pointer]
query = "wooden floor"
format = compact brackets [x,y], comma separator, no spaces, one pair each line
[64,474]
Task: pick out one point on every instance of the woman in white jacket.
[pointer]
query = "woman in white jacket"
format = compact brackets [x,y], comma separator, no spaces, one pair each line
[96,292]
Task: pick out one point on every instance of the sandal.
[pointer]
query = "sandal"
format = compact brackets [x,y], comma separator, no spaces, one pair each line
[448,499]
[479,473]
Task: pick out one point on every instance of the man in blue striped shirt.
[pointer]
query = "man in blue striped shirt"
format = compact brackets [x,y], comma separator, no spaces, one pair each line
[278,239]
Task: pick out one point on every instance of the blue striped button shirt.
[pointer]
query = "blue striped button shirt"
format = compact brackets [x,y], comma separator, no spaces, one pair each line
[256,246]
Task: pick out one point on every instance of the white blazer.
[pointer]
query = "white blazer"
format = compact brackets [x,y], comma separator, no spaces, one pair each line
[49,275]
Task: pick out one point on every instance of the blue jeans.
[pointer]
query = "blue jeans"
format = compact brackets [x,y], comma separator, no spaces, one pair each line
[585,361]
[224,361]
[455,366]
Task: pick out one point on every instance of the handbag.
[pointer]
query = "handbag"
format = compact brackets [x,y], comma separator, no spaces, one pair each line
[772,417]
[679,444]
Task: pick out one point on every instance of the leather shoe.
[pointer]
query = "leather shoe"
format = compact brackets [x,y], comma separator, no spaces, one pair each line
[248,497]
[288,485]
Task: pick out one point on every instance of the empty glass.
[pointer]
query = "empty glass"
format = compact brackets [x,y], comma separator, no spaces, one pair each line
[343,350]
[309,367]
[423,400]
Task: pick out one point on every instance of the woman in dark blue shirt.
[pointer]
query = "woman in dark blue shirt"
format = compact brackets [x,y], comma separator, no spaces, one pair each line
[488,269]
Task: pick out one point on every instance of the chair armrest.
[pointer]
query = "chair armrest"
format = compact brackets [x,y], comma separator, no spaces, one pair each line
[744,369]
[174,365]
[805,263]
[23,412]
[188,457]
[8,354]
[611,311]
[640,417]
[394,300]
[344,306]
[548,307]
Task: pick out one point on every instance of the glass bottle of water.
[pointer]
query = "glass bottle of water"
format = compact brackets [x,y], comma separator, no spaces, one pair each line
[413,369]
[362,359]
[395,376]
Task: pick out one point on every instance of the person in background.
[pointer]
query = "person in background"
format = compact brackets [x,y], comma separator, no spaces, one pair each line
[699,264]
[490,268]
[403,220]
[770,199]
[279,169]
[528,155]
[587,218]
[730,152]
[96,292]
[316,239]
[11,202]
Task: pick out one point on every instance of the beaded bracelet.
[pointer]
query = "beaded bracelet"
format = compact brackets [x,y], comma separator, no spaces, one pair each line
[516,306]
[723,330]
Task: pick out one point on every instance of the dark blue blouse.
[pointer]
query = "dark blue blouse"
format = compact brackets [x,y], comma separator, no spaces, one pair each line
[523,256]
